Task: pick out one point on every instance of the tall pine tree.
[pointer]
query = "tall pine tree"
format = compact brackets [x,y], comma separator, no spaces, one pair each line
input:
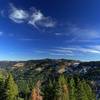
[11,88]
[88,90]
[73,89]
[62,92]
[2,87]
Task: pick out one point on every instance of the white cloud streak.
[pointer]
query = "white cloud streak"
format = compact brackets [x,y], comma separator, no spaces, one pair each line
[96,47]
[38,19]
[62,50]
[17,15]
[61,54]
[35,17]
[27,39]
[81,50]
[82,34]
[58,34]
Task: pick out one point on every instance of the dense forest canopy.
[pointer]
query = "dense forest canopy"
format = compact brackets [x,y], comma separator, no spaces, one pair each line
[46,80]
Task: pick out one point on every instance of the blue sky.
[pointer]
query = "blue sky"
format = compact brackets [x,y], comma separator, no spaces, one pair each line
[35,29]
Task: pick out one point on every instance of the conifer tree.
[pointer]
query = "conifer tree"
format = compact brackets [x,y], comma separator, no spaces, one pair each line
[2,87]
[24,89]
[62,92]
[11,88]
[73,89]
[83,95]
[49,90]
[88,91]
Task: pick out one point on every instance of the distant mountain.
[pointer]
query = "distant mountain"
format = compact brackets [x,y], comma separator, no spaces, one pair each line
[9,64]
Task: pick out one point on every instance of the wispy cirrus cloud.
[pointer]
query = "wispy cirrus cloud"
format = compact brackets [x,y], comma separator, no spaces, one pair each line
[96,47]
[54,52]
[75,33]
[58,34]
[61,54]
[61,50]
[69,51]
[81,49]
[38,19]
[33,17]
[82,34]
[17,15]
[89,50]
[27,39]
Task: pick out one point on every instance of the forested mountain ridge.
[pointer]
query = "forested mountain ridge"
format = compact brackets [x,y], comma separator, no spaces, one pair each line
[46,78]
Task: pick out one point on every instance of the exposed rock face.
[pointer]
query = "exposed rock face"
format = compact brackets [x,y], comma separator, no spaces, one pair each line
[19,65]
[36,92]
